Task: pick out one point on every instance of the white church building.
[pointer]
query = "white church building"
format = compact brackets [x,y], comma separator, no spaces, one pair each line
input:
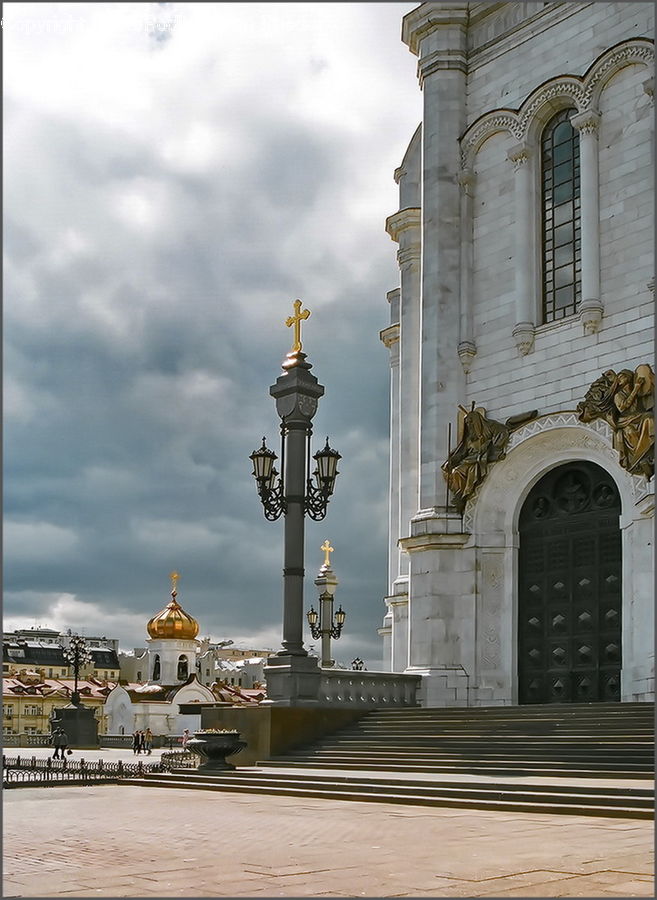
[521,358]
[172,680]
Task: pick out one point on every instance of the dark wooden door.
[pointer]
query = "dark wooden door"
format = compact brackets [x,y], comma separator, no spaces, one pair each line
[569,590]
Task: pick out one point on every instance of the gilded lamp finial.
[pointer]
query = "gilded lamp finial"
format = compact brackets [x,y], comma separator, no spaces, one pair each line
[296,321]
[326,547]
[174,576]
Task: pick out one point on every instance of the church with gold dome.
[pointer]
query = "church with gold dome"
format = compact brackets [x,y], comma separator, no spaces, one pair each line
[172,681]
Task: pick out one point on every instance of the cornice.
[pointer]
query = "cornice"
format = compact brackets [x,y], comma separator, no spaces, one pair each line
[438,541]
[420,22]
[513,26]
[408,255]
[441,60]
[390,335]
[409,217]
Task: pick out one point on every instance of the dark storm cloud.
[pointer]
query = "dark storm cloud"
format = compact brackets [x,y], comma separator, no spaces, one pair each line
[146,285]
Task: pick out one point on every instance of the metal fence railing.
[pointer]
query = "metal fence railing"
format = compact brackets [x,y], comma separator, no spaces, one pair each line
[179,759]
[22,771]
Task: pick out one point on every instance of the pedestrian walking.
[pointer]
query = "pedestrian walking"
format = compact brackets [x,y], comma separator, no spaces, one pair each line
[60,743]
[185,738]
[148,741]
[135,742]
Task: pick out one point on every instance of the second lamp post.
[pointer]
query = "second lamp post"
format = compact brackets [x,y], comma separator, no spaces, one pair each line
[324,624]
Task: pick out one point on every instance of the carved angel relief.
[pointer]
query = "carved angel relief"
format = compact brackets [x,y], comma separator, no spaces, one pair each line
[626,402]
[481,441]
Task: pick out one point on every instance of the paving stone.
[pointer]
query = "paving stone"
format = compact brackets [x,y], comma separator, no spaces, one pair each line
[277,847]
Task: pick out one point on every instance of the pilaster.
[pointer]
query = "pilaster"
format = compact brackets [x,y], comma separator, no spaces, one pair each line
[591,308]
[525,327]
[390,337]
[404,227]
[467,348]
[398,607]
[441,607]
[437,33]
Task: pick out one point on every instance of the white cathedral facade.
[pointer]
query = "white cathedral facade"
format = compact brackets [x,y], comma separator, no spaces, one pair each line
[521,354]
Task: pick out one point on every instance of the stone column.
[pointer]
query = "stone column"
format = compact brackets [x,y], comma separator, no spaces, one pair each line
[437,33]
[399,643]
[467,348]
[385,633]
[523,263]
[638,648]
[404,228]
[438,616]
[649,89]
[390,337]
[591,308]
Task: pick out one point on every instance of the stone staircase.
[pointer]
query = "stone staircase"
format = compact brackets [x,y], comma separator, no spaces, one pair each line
[574,740]
[584,759]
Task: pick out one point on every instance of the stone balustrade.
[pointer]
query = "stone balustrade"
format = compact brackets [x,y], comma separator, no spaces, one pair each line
[367,690]
[25,740]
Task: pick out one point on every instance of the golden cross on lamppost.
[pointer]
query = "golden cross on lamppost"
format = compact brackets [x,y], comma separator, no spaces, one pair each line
[326,547]
[174,576]
[296,321]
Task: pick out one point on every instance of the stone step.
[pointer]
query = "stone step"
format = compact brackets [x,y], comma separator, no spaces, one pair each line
[473,750]
[513,741]
[517,724]
[519,728]
[642,795]
[476,767]
[533,709]
[573,803]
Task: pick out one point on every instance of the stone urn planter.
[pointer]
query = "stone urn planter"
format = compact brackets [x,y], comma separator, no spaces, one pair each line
[213,747]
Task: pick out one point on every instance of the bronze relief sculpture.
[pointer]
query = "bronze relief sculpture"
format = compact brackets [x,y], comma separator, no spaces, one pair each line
[625,400]
[481,441]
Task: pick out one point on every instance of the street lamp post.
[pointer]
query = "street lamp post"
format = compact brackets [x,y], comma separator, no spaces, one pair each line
[77,655]
[324,624]
[292,676]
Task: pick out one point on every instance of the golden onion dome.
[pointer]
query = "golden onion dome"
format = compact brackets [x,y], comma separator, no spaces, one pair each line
[173,621]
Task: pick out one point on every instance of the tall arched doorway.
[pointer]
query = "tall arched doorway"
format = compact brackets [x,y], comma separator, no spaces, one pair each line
[569,588]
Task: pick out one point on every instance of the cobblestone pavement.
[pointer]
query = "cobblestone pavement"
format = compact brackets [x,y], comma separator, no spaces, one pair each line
[131,841]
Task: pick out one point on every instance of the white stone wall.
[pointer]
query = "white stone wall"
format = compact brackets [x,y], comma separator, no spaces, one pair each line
[563,40]
[456,609]
[493,294]
[564,361]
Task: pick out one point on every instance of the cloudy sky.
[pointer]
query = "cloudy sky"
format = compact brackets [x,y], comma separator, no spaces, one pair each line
[175,176]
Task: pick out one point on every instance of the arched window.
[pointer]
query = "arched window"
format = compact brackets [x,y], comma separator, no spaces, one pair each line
[156,667]
[183,668]
[562,245]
